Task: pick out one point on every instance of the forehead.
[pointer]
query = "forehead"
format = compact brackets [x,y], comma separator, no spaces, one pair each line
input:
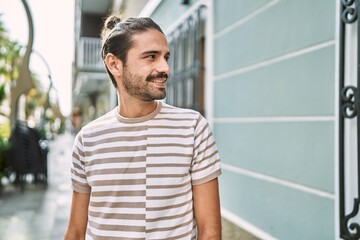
[150,40]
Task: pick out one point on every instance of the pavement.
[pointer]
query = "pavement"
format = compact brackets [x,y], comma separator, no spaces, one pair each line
[41,212]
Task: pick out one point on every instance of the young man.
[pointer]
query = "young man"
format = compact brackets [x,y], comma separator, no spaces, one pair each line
[145,170]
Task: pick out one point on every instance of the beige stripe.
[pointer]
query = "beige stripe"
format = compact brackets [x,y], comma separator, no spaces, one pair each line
[119,193]
[118,160]
[76,156]
[116,149]
[81,153]
[206,158]
[118,216]
[170,217]
[168,165]
[118,204]
[207,166]
[170,136]
[114,130]
[169,196]
[168,186]
[207,148]
[169,207]
[118,182]
[116,139]
[167,175]
[202,131]
[202,141]
[82,176]
[171,145]
[117,171]
[77,166]
[88,232]
[125,228]
[198,120]
[169,228]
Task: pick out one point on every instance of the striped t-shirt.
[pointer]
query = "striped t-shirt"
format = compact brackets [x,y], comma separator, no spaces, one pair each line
[140,171]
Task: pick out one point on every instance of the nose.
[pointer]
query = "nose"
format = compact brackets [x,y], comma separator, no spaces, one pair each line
[163,66]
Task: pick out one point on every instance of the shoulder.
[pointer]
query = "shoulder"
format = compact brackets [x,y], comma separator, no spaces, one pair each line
[105,121]
[170,110]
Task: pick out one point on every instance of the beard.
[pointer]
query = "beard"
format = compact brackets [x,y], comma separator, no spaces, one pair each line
[141,87]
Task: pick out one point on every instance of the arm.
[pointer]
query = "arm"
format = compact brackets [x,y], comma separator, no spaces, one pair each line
[207,210]
[78,216]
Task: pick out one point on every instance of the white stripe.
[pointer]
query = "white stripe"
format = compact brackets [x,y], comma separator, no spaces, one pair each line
[275,119]
[277,181]
[274,60]
[245,19]
[245,225]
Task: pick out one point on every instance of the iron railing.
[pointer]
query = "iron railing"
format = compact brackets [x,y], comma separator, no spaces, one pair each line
[89,54]
[349,108]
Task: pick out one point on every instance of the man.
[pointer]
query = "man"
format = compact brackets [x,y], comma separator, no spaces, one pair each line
[145,170]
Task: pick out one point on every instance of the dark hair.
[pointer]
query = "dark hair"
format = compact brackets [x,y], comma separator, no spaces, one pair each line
[117,36]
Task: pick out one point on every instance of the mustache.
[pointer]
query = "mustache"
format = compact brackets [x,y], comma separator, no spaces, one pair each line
[158,75]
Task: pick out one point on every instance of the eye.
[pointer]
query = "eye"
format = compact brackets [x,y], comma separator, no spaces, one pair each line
[151,56]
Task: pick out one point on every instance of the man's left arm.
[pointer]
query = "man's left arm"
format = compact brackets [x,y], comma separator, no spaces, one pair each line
[207,210]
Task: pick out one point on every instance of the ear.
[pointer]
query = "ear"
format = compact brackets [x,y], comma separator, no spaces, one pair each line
[114,64]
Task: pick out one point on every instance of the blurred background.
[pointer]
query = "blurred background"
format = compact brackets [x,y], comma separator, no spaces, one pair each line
[277,80]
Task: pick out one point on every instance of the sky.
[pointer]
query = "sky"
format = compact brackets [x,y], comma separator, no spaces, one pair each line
[53,40]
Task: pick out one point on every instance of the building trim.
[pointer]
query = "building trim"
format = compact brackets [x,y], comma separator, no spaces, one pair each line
[276,119]
[277,181]
[266,63]
[245,19]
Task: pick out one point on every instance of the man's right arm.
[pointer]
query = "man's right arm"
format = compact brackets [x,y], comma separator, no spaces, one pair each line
[78,216]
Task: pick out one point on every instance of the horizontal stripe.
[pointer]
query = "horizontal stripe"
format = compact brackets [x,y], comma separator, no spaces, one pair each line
[118,193]
[115,149]
[118,204]
[124,228]
[167,175]
[167,186]
[169,196]
[169,217]
[118,182]
[117,171]
[112,130]
[169,228]
[169,207]
[118,216]
[126,139]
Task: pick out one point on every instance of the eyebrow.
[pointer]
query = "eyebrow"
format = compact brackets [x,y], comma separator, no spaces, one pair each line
[154,52]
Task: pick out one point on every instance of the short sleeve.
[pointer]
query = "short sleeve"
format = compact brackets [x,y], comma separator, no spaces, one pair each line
[206,160]
[78,175]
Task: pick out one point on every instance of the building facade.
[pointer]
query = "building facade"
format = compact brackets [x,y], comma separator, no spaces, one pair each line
[271,77]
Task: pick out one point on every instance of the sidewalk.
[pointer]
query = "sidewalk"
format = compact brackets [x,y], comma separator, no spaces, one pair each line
[41,213]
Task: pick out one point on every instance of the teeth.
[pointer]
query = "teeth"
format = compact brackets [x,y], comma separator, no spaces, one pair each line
[159,81]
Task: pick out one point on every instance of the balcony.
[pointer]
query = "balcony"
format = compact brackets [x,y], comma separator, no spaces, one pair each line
[88,55]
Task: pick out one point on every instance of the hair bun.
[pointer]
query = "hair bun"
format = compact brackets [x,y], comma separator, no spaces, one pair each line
[112,21]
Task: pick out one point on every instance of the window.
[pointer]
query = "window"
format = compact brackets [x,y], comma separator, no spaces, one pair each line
[185,87]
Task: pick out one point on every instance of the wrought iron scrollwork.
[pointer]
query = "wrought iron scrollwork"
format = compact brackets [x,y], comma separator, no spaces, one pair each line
[349,99]
[349,14]
[349,107]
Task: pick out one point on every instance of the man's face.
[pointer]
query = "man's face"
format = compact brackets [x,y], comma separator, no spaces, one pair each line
[146,69]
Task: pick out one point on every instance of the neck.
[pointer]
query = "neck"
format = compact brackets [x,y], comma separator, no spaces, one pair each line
[134,108]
